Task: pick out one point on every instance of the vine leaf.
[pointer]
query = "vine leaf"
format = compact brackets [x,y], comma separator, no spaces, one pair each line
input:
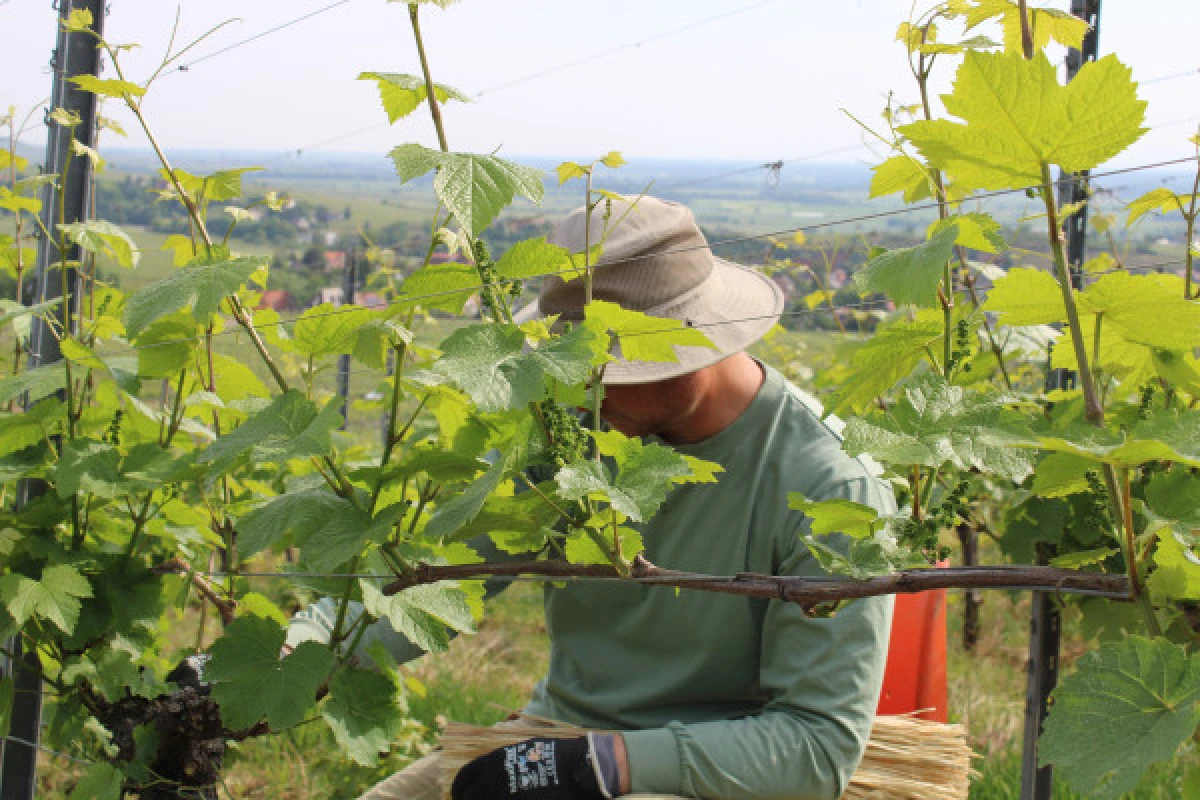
[1133,702]
[897,346]
[1017,118]
[645,474]
[910,275]
[107,87]
[1162,200]
[904,174]
[1177,573]
[976,230]
[327,329]
[868,557]
[290,427]
[1045,23]
[201,286]
[250,680]
[531,258]
[402,94]
[363,712]
[473,187]
[102,238]
[1026,297]
[641,336]
[102,781]
[935,423]
[490,363]
[1145,309]
[1164,436]
[447,286]
[836,516]
[89,466]
[40,382]
[299,513]
[465,506]
[345,533]
[422,613]
[54,597]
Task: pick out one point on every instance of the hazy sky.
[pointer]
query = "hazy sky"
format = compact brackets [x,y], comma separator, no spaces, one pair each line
[764,83]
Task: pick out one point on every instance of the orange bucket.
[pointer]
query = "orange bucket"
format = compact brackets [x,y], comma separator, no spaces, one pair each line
[915,676]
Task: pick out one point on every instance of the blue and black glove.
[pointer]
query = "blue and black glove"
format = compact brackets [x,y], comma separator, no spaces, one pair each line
[582,768]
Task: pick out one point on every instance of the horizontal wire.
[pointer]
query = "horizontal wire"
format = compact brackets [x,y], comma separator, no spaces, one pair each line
[1191,73]
[43,748]
[536,75]
[765,165]
[415,299]
[257,36]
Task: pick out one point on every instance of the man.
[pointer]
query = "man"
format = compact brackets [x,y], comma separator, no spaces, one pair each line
[716,696]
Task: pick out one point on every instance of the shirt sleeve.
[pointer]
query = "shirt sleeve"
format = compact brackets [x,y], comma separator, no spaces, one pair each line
[822,678]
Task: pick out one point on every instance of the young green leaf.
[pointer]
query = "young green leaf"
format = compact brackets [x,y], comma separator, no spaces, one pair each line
[107,87]
[327,330]
[976,230]
[1177,568]
[422,613]
[935,423]
[290,427]
[364,713]
[569,170]
[102,781]
[1133,703]
[910,275]
[897,346]
[202,287]
[89,466]
[641,336]
[17,203]
[299,513]
[250,681]
[1162,200]
[1017,117]
[103,239]
[402,94]
[532,258]
[1026,297]
[612,159]
[836,516]
[54,597]
[475,188]
[645,474]
[39,382]
[901,173]
[446,286]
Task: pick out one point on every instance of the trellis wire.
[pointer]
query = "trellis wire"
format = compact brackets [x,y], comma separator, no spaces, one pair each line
[415,299]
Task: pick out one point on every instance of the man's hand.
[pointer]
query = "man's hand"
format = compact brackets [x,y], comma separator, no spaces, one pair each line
[583,768]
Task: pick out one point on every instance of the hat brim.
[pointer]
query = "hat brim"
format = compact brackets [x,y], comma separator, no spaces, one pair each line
[734,307]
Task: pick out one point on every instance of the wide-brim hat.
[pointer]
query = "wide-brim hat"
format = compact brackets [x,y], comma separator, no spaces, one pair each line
[655,260]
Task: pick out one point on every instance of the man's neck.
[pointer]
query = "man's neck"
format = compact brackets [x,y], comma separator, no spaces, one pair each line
[727,390]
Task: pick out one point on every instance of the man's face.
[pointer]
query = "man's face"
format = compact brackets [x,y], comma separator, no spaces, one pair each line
[662,407]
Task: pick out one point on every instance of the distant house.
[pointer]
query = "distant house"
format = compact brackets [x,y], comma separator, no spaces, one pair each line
[329,294]
[335,260]
[278,300]
[369,300]
[330,237]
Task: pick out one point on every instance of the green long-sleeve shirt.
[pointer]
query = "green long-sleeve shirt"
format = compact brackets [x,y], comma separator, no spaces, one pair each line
[722,696]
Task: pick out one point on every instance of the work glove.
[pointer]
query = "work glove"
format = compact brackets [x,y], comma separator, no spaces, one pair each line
[582,768]
[189,673]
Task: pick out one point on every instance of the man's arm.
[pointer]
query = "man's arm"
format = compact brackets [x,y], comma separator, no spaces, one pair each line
[822,677]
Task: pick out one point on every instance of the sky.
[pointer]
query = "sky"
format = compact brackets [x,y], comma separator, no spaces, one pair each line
[765,80]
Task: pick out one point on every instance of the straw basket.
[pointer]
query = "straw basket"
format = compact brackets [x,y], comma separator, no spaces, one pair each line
[906,759]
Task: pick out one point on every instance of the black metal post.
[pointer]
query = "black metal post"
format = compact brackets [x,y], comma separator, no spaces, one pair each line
[74,54]
[1045,622]
[349,284]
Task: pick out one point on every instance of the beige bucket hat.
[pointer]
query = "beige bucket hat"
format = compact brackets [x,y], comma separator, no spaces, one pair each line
[656,260]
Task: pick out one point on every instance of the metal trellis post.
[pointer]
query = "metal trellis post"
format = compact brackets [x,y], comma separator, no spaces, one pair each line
[75,54]
[1045,623]
[349,284]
